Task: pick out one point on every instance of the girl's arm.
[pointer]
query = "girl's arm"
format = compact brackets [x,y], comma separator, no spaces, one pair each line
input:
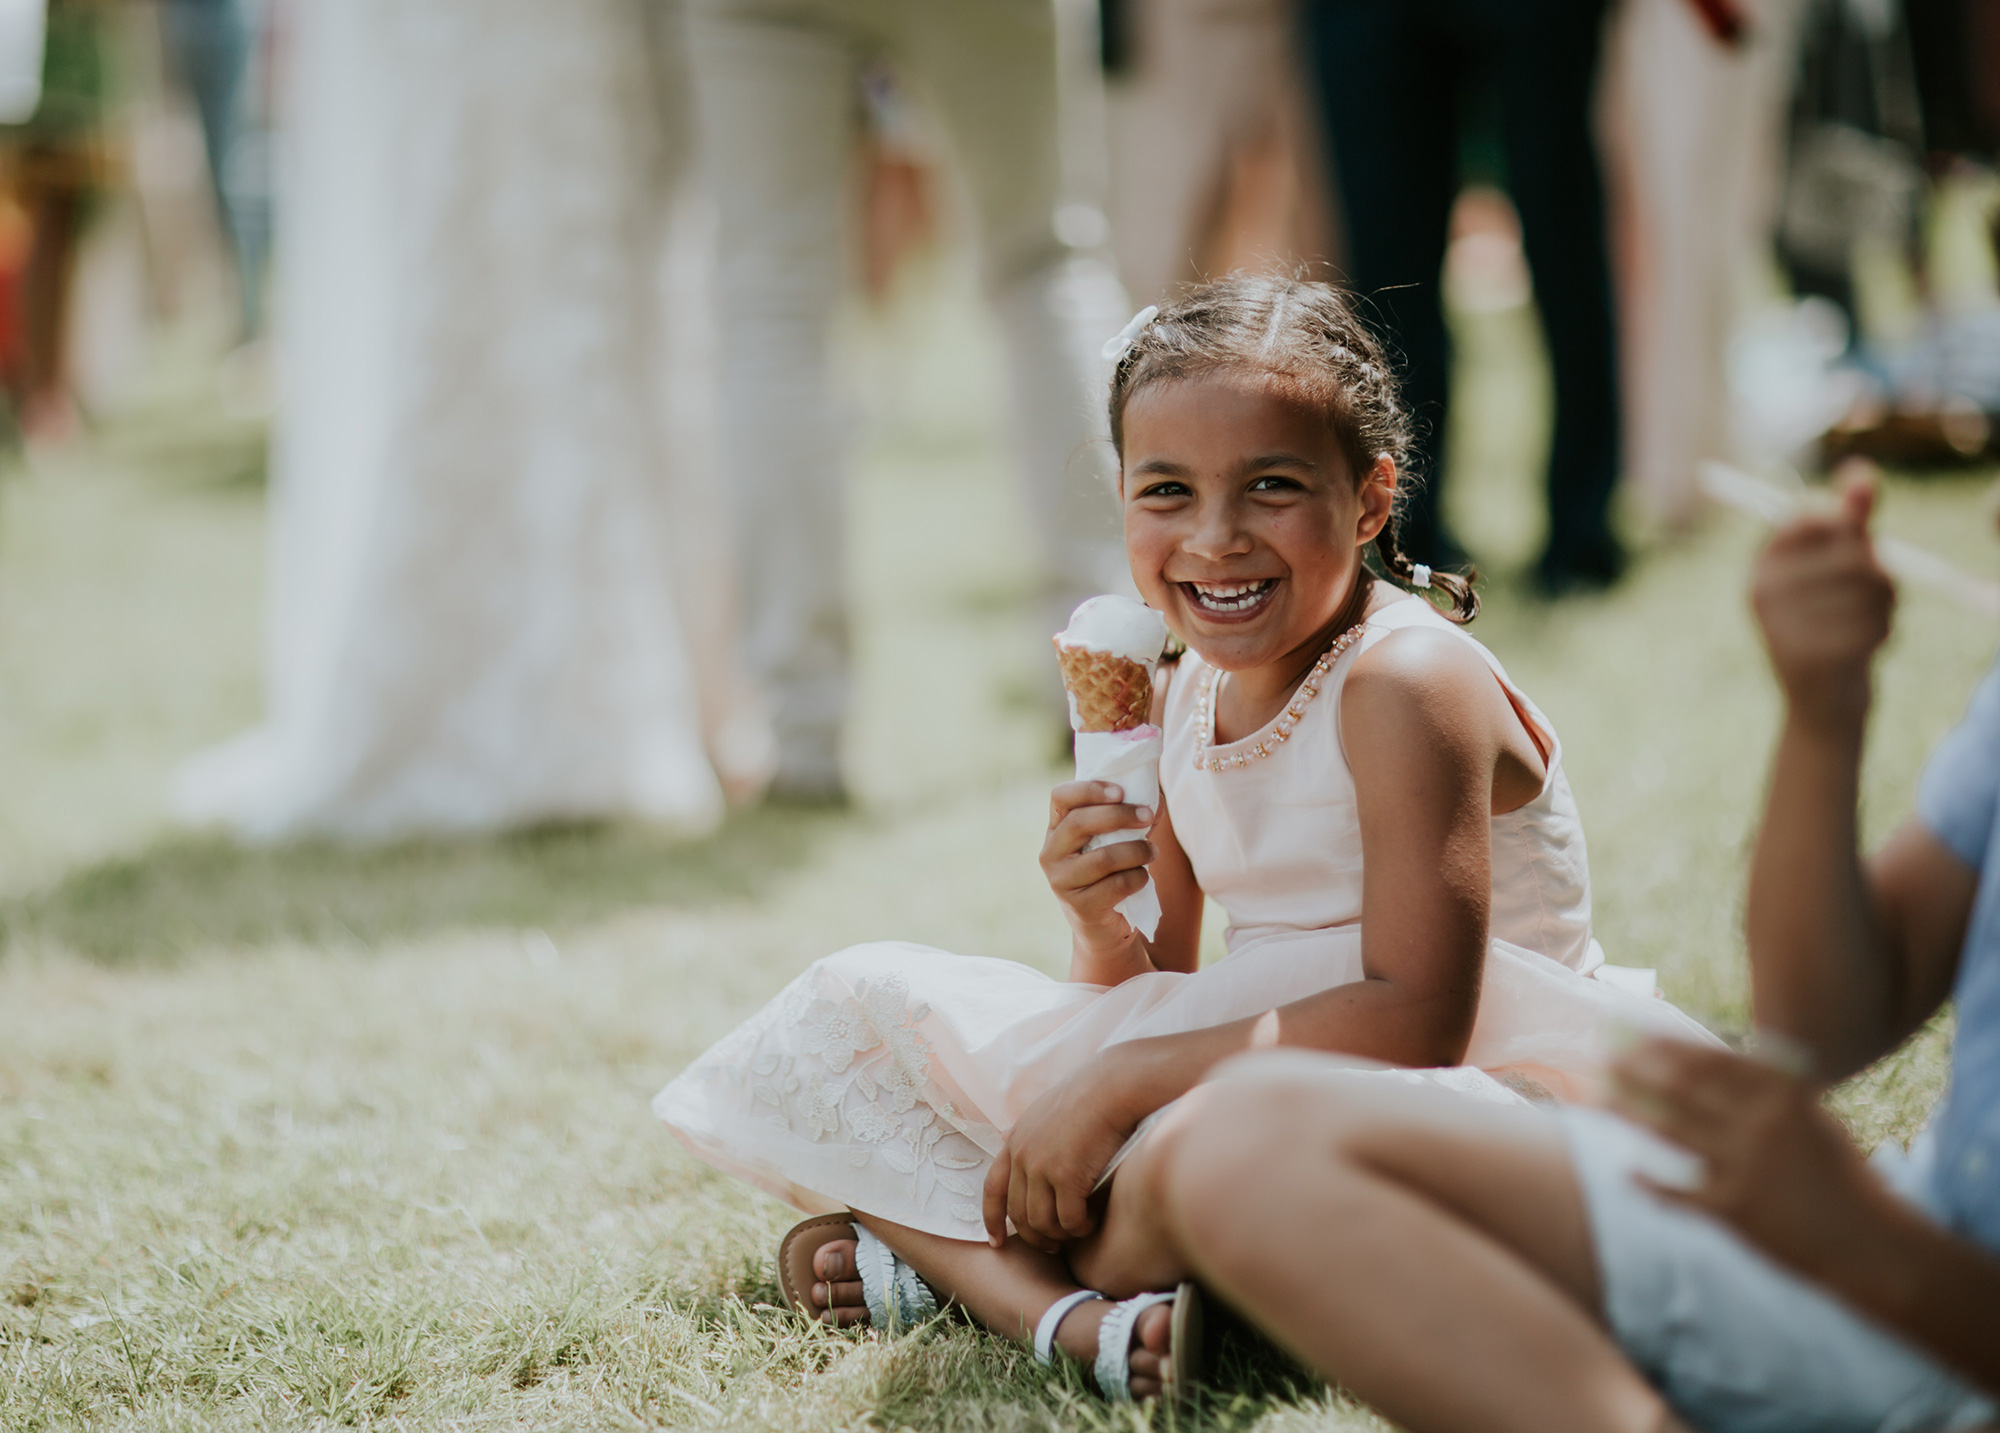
[1436,748]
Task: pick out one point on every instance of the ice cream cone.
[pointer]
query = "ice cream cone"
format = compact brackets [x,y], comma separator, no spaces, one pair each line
[1110,693]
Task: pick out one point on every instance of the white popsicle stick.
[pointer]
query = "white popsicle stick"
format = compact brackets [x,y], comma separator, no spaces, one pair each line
[1903,560]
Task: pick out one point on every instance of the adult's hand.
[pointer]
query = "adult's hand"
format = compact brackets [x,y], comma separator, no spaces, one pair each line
[1783,1175]
[1043,1177]
[1778,1169]
[1824,604]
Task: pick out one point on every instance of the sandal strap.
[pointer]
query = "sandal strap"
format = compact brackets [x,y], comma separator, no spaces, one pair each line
[895,1296]
[1045,1331]
[915,1302]
[1114,1345]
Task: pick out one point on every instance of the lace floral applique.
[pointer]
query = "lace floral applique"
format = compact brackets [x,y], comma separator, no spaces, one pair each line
[775,1083]
[819,1107]
[876,1014]
[872,1124]
[881,1109]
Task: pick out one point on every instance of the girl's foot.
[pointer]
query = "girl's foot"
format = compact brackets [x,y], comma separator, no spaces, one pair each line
[867,1281]
[836,1298]
[1152,1335]
[836,1294]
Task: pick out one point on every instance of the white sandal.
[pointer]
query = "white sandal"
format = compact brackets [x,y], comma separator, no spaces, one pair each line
[897,1299]
[1113,1368]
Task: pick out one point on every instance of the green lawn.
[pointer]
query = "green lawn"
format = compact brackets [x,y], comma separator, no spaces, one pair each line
[321,1135]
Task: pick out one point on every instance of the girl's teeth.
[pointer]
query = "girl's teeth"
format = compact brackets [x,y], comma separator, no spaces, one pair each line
[1229,597]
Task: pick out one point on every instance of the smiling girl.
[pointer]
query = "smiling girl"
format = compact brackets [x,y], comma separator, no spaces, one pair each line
[1379,810]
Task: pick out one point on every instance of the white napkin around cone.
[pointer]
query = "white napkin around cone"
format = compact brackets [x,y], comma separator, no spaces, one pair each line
[1131,759]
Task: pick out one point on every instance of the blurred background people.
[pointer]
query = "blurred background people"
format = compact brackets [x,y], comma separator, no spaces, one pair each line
[475,521]
[534,375]
[1215,159]
[60,161]
[221,51]
[778,85]
[1400,83]
[1697,126]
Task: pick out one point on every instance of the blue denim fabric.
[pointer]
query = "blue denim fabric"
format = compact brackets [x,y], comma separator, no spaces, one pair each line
[1960,801]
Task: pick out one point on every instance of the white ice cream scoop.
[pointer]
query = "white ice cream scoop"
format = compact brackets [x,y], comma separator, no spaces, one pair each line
[1120,626]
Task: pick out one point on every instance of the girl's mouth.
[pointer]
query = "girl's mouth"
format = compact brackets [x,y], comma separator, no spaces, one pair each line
[1229,600]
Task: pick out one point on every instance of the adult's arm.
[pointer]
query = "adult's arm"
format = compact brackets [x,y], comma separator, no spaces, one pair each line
[1846,957]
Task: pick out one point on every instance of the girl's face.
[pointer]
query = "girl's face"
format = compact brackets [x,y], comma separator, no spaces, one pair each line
[1243,526]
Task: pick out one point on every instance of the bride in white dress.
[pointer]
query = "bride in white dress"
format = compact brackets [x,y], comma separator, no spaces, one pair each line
[489,519]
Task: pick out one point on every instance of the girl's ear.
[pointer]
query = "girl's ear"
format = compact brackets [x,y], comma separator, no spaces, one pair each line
[1378,500]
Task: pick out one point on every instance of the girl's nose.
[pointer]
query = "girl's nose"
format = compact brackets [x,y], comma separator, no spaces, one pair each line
[1218,533]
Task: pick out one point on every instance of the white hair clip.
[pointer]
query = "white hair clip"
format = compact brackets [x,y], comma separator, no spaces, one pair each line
[1118,347]
[1420,576]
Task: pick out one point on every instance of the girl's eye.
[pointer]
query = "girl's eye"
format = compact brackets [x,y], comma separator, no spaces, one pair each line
[1272,483]
[1164,489]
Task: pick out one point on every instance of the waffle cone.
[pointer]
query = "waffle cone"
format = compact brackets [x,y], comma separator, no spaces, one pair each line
[1111,693]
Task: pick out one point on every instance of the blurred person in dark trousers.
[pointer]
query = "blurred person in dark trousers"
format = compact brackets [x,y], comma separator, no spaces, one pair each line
[1398,81]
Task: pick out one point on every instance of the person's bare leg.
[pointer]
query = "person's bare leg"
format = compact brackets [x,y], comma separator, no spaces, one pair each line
[1429,1253]
[1008,1290]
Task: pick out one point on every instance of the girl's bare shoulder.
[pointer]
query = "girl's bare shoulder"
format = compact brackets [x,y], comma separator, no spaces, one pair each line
[1418,664]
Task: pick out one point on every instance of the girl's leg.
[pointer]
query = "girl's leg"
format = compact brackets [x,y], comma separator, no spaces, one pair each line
[1008,1290]
[1429,1253]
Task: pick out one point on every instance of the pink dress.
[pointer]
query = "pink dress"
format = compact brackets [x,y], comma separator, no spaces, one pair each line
[885,1077]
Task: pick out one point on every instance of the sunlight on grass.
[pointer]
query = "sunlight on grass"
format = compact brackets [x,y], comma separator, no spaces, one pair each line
[319,1135]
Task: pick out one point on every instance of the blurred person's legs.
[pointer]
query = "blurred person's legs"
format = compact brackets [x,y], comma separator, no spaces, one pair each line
[1389,80]
[1212,90]
[990,69]
[209,47]
[1547,84]
[1679,120]
[1700,129]
[775,90]
[1168,127]
[216,48]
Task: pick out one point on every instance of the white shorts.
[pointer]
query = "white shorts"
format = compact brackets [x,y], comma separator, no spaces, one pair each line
[1736,1343]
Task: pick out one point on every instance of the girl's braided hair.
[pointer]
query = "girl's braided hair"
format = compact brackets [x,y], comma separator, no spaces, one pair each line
[1309,335]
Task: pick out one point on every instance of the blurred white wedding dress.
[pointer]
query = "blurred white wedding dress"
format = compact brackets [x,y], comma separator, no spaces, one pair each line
[490,519]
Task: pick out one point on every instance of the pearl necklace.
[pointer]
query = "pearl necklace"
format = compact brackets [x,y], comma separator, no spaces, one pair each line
[1289,718]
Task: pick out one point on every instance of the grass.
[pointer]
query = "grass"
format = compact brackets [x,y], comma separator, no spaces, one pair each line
[324,1136]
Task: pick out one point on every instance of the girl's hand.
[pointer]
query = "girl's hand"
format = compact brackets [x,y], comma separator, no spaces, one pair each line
[1090,884]
[1043,1177]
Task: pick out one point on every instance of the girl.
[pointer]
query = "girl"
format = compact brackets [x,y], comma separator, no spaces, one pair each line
[1380,811]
